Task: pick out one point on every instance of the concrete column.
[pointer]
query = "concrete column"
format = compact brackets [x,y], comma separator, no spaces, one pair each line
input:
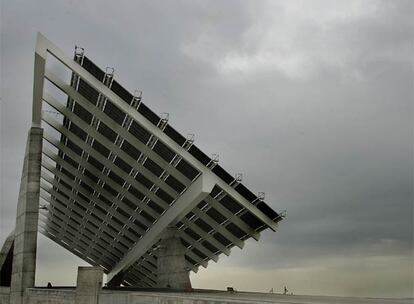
[88,285]
[172,271]
[25,233]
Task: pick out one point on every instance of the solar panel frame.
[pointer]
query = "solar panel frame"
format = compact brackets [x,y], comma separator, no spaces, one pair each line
[100,178]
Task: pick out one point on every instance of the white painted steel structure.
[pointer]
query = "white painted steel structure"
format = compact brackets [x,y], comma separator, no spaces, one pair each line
[115,175]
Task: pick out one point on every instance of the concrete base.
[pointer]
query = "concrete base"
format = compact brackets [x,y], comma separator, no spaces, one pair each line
[25,233]
[88,285]
[4,295]
[172,271]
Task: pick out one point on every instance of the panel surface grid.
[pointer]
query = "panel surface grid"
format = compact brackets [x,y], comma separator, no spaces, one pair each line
[113,179]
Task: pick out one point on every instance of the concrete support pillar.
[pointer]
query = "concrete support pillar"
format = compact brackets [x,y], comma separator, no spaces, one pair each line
[25,234]
[172,271]
[88,285]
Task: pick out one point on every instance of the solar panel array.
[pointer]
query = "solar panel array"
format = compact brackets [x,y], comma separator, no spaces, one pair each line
[107,180]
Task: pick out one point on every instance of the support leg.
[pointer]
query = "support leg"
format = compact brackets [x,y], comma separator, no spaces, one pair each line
[172,271]
[25,235]
[88,285]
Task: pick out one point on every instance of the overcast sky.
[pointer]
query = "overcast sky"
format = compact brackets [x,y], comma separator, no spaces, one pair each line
[311,100]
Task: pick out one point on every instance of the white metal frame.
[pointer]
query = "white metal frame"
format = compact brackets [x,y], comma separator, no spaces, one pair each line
[195,191]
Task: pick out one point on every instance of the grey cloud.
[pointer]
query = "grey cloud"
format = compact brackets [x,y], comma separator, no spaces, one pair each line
[312,102]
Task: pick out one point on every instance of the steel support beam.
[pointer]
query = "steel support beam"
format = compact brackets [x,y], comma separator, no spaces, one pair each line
[198,246]
[116,100]
[206,236]
[221,229]
[68,216]
[95,200]
[111,124]
[189,199]
[233,218]
[90,183]
[99,259]
[98,156]
[38,80]
[103,140]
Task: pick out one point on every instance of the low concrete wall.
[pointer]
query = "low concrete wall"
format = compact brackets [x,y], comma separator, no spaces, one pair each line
[137,297]
[62,296]
[67,296]
[4,295]
[132,297]
[49,296]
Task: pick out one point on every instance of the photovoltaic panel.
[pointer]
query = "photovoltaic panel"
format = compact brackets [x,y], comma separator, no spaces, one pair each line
[120,168]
